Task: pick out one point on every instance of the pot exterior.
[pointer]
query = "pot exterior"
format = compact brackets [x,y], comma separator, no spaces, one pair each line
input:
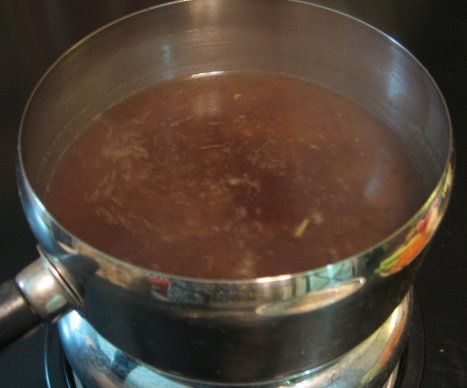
[371,363]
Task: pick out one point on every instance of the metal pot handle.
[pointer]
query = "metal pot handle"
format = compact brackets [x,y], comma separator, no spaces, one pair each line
[37,294]
[16,314]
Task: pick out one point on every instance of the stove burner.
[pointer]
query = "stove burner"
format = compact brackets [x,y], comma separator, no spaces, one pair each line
[407,373]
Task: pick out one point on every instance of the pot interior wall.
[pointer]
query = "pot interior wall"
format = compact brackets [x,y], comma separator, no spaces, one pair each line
[201,37]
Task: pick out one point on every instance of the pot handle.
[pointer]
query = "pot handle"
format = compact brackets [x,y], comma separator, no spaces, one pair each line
[16,314]
[37,294]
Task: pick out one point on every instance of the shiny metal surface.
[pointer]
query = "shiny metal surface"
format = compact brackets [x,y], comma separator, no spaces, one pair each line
[391,382]
[44,289]
[98,364]
[258,329]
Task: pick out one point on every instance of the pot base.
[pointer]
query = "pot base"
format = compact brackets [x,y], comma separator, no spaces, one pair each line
[97,363]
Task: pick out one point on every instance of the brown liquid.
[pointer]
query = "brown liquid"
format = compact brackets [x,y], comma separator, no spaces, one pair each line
[234,176]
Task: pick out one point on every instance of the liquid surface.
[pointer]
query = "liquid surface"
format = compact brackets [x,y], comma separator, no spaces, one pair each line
[234,176]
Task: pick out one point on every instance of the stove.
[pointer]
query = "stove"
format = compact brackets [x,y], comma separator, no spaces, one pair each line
[434,354]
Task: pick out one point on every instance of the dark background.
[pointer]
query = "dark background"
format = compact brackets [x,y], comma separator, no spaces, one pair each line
[34,33]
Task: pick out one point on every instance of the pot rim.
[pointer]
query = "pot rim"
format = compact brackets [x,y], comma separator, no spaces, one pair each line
[443,185]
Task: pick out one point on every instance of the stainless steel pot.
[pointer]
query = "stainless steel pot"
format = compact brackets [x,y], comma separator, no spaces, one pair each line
[226,331]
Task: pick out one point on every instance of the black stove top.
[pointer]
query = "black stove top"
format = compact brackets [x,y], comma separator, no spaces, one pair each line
[34,33]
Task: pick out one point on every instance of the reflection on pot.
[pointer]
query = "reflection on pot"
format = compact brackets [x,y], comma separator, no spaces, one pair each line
[420,235]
